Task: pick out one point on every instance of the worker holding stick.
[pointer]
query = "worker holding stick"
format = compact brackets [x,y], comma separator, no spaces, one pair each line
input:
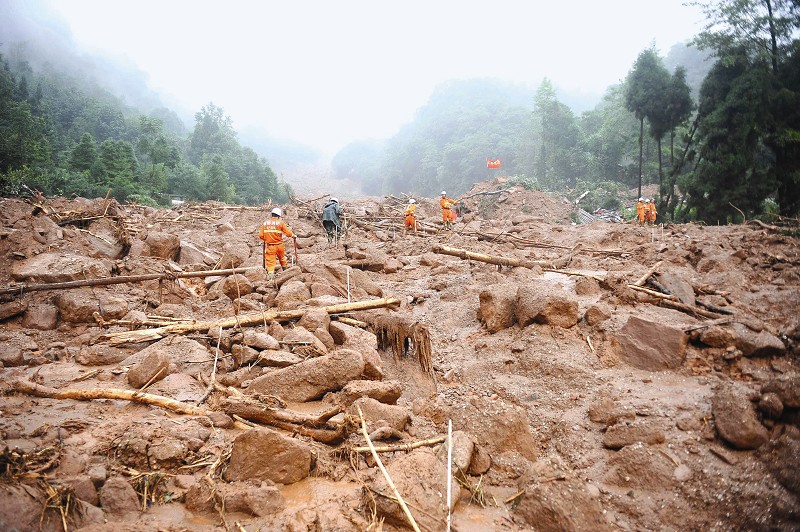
[448,215]
[272,233]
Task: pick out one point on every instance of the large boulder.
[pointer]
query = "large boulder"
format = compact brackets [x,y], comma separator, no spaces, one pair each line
[117,496]
[677,286]
[162,245]
[550,306]
[153,367]
[374,411]
[651,345]
[234,254]
[293,294]
[497,305]
[313,378]
[756,344]
[78,306]
[41,316]
[259,340]
[266,454]
[736,419]
[422,480]
[59,268]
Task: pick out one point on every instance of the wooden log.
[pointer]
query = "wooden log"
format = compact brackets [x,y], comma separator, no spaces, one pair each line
[491,259]
[643,279]
[31,388]
[120,279]
[242,320]
[260,413]
[688,309]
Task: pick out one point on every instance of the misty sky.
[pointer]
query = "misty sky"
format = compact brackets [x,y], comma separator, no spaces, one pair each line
[328,72]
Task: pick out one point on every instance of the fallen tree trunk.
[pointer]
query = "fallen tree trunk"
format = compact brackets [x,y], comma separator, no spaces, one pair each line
[491,259]
[263,414]
[31,388]
[242,320]
[120,279]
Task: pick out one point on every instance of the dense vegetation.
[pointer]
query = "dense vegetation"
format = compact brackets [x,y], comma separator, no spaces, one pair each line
[718,136]
[65,135]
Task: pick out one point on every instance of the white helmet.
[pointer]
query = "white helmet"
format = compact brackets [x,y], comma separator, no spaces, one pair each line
[444,193]
[412,201]
[641,199]
[647,200]
[276,211]
[335,200]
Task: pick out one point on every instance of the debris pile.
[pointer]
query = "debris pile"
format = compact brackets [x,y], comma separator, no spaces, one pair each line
[601,376]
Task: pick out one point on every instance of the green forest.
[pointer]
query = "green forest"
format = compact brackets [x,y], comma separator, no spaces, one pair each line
[716,124]
[718,130]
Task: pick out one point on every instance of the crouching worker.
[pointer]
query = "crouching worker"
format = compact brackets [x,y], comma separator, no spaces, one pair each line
[272,234]
[331,220]
[411,217]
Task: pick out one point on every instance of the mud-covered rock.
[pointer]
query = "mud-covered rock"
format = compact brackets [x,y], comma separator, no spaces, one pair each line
[41,316]
[78,306]
[100,355]
[756,344]
[677,286]
[162,245]
[780,456]
[396,417]
[259,340]
[736,419]
[11,356]
[641,466]
[312,378]
[627,433]
[292,295]
[422,479]
[650,345]
[12,309]
[265,454]
[153,367]
[596,314]
[59,268]
[384,391]
[298,337]
[557,506]
[786,387]
[235,286]
[539,304]
[770,405]
[117,496]
[497,307]
[315,318]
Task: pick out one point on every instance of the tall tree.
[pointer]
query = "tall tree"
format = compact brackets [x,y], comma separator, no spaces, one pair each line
[646,86]
[557,160]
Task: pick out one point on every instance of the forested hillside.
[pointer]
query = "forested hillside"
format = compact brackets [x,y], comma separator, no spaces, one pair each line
[719,130]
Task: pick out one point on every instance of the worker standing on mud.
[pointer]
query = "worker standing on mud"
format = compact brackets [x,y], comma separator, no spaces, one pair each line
[640,211]
[447,210]
[652,214]
[331,220]
[272,234]
[411,216]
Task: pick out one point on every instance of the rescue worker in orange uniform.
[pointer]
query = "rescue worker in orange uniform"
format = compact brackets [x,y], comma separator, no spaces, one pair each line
[411,216]
[651,212]
[272,234]
[447,212]
[640,211]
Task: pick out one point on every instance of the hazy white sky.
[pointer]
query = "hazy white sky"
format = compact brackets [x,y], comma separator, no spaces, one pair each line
[328,72]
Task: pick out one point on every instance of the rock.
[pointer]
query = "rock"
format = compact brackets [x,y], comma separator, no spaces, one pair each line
[243,354]
[556,506]
[315,318]
[162,245]
[606,411]
[677,286]
[497,307]
[117,496]
[756,344]
[278,359]
[780,457]
[259,500]
[84,489]
[552,307]
[392,265]
[481,461]
[463,448]
[650,345]
[11,309]
[183,352]
[259,340]
[312,378]
[265,454]
[786,387]
[11,356]
[191,254]
[352,337]
[641,466]
[235,286]
[78,306]
[166,453]
[221,420]
[21,510]
[59,268]
[770,405]
[41,316]
[384,391]
[293,294]
[234,254]
[397,417]
[155,366]
[736,419]
[595,315]
[422,479]
[586,286]
[717,336]
[299,336]
[100,355]
[622,434]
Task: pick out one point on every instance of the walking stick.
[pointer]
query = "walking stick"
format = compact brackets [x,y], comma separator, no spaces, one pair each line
[296,256]
[264,254]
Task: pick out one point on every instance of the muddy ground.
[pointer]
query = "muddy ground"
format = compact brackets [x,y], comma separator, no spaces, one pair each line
[577,401]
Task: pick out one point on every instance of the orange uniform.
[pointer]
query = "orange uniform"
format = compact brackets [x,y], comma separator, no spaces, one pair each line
[640,211]
[272,234]
[651,212]
[447,212]
[411,217]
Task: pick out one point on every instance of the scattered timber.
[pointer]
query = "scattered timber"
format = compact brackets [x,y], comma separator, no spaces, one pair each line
[491,259]
[242,320]
[120,279]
